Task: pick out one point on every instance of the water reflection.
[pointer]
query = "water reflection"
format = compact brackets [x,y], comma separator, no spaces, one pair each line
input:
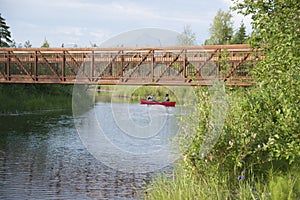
[42,157]
[131,138]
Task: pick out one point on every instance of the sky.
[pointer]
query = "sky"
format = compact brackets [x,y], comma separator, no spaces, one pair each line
[86,22]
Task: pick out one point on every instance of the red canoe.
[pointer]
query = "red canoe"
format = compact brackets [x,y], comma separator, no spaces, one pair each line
[164,103]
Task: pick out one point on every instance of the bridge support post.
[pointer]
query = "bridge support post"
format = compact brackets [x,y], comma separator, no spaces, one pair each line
[63,67]
[92,67]
[121,65]
[219,64]
[184,65]
[7,67]
[35,75]
[152,66]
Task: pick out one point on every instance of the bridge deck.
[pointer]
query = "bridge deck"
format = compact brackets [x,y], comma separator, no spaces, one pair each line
[191,65]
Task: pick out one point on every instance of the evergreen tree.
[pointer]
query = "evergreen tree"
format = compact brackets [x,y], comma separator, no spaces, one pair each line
[240,36]
[45,44]
[5,37]
[27,44]
[221,29]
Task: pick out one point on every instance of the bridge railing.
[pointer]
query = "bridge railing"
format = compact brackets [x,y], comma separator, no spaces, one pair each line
[191,65]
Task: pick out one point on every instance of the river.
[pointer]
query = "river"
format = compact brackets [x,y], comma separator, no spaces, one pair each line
[44,155]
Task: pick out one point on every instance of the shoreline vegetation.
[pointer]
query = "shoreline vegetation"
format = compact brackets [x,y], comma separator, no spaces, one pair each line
[182,95]
[17,98]
[253,158]
[257,153]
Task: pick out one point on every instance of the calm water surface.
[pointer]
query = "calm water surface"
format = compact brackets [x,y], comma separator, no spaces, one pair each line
[42,157]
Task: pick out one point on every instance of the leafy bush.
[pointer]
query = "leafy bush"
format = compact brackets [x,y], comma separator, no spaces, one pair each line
[262,124]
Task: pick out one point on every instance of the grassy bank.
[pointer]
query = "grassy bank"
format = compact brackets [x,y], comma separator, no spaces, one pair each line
[256,154]
[30,97]
[185,185]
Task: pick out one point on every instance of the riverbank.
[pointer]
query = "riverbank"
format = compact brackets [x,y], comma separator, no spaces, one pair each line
[256,154]
[16,98]
[179,94]
[183,184]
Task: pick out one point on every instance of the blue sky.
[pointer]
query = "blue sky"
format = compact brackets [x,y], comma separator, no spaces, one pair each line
[83,22]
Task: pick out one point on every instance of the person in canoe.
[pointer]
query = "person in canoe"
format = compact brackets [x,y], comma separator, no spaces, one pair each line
[167,97]
[149,98]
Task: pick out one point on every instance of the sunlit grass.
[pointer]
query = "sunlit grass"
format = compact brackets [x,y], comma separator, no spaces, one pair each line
[184,185]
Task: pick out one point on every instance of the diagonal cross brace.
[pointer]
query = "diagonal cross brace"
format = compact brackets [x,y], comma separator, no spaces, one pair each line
[3,75]
[67,63]
[234,68]
[170,64]
[109,64]
[78,66]
[206,61]
[50,67]
[21,65]
[136,67]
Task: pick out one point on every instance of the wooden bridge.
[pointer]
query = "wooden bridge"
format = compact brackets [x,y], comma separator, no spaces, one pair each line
[189,65]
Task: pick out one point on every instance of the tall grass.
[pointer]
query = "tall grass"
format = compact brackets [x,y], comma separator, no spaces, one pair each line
[24,97]
[184,185]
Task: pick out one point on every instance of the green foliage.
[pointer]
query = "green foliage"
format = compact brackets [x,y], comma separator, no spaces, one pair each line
[223,62]
[5,36]
[221,30]
[158,93]
[28,97]
[263,122]
[261,131]
[284,187]
[254,138]
[187,37]
[45,44]
[277,31]
[184,185]
[27,44]
[260,138]
[240,36]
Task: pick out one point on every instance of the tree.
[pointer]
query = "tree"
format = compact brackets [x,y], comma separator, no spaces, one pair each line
[240,36]
[27,44]
[13,44]
[45,44]
[5,36]
[261,130]
[275,109]
[187,37]
[221,29]
[93,44]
